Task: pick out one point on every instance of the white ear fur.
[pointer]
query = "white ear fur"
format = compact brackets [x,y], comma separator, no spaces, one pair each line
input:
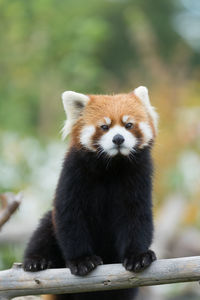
[73,104]
[142,93]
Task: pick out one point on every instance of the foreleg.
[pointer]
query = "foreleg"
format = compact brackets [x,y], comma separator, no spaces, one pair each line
[42,251]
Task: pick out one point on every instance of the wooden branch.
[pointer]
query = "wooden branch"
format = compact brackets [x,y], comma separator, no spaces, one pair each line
[10,203]
[16,282]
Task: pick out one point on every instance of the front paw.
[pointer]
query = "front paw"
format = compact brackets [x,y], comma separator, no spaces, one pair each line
[82,266]
[140,262]
[37,264]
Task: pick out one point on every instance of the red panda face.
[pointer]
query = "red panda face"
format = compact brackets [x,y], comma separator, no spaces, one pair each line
[118,124]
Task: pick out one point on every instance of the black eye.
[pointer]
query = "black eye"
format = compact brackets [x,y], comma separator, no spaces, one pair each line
[129,125]
[104,127]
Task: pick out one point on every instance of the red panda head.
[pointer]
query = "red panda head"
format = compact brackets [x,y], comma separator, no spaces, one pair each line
[111,124]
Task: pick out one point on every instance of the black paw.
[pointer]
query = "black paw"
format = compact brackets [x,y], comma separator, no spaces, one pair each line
[140,262]
[37,264]
[82,266]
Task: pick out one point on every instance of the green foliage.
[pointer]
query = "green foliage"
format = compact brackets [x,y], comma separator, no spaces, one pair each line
[9,254]
[92,46]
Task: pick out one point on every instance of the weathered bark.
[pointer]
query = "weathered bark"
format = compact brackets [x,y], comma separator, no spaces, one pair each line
[16,282]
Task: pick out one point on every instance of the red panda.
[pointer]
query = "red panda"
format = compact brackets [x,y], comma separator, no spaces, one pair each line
[102,211]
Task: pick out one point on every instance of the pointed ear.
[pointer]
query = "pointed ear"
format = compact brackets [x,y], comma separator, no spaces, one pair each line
[73,103]
[142,93]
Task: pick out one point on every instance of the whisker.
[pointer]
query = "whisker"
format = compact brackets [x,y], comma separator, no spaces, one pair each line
[109,158]
[132,156]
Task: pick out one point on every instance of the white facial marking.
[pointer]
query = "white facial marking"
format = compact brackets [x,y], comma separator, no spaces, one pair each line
[142,93]
[147,133]
[86,135]
[125,118]
[112,152]
[108,120]
[125,151]
[126,147]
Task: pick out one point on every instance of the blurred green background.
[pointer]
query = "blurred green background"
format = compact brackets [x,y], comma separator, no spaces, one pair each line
[47,47]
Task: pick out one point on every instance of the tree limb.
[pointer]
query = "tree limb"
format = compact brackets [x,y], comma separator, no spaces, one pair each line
[10,203]
[15,282]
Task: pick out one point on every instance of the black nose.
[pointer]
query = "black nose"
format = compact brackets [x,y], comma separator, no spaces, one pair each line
[118,139]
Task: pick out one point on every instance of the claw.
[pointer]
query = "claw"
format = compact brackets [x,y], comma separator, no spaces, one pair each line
[139,263]
[36,264]
[83,266]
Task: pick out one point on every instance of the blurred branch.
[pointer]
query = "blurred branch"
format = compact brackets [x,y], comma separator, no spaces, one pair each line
[15,282]
[10,202]
[167,223]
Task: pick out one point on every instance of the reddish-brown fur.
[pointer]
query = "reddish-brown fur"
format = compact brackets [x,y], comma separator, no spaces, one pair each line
[114,107]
